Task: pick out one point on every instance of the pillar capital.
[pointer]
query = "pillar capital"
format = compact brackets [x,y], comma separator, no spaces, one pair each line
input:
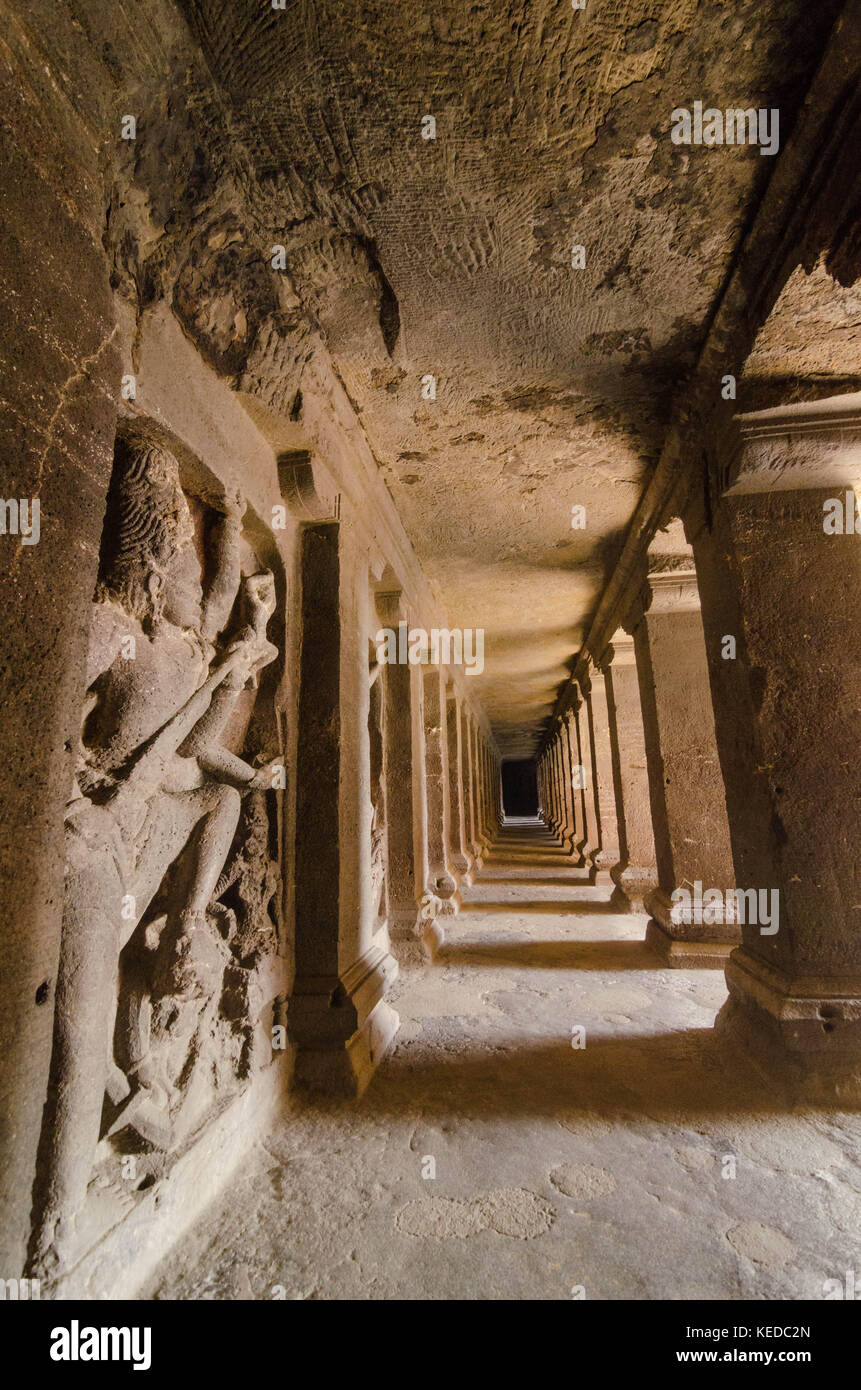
[619,651]
[391,607]
[671,586]
[808,444]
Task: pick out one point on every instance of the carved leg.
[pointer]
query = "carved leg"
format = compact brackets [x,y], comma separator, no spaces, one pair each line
[86,983]
[169,827]
[211,850]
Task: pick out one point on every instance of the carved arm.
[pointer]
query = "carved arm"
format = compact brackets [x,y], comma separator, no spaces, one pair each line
[220,597]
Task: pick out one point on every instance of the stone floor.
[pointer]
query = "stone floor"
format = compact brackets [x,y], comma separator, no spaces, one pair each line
[605,1167]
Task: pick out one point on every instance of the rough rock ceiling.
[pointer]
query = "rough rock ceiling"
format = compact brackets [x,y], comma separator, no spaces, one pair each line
[809,346]
[452,257]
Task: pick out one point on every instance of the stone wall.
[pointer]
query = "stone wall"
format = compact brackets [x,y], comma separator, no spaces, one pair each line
[158,344]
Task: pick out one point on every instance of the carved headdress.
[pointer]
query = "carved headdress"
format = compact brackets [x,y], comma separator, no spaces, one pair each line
[146,522]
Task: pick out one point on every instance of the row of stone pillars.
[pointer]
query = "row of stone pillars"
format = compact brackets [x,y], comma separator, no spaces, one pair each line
[457,806]
[707,759]
[631,779]
[398,799]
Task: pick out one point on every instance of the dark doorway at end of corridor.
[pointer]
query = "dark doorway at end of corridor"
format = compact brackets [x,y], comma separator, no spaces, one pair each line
[519,788]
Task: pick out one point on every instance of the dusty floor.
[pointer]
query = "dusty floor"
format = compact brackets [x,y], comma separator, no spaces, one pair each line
[556,1166]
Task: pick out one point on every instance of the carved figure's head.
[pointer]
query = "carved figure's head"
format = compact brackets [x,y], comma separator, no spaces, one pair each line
[149,563]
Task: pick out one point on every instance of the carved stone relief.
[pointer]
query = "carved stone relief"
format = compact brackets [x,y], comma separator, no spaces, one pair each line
[379,833]
[170,906]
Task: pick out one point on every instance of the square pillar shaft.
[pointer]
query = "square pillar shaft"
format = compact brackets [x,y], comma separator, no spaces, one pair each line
[569,836]
[605,791]
[576,773]
[689,815]
[442,883]
[781,572]
[635,873]
[458,853]
[591,840]
[402,883]
[337,1016]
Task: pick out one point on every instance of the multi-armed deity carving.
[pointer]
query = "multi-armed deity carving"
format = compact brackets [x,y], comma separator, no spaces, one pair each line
[171,876]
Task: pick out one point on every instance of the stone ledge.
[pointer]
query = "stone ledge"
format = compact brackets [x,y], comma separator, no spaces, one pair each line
[687,955]
[118,1265]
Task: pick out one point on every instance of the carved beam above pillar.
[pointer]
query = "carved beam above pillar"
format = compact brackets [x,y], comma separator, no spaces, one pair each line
[306,488]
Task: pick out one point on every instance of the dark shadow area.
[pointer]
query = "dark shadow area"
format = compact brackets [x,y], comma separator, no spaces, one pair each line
[529,881]
[550,858]
[558,907]
[668,1078]
[519,788]
[552,955]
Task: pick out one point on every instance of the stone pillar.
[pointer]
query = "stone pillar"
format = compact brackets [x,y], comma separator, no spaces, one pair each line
[475,741]
[578,821]
[424,927]
[562,782]
[545,789]
[548,778]
[441,881]
[686,789]
[486,816]
[481,841]
[548,791]
[635,873]
[475,847]
[555,784]
[592,842]
[562,773]
[403,885]
[338,1018]
[460,856]
[792,770]
[484,787]
[605,783]
[569,834]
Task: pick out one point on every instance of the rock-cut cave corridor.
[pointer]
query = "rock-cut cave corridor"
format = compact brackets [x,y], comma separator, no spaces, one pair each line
[429,571]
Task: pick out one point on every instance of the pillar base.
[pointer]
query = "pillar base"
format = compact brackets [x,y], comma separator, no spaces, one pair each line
[432,935]
[450,907]
[803,1032]
[635,883]
[462,864]
[684,942]
[703,954]
[342,1027]
[444,888]
[600,864]
[405,937]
